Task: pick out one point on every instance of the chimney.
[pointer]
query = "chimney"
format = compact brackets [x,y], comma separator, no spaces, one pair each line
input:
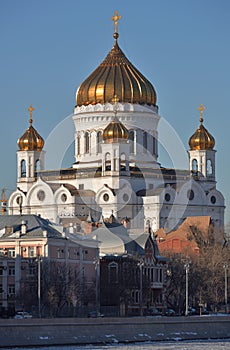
[23,227]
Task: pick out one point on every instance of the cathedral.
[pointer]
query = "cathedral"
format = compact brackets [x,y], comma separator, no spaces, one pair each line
[116,172]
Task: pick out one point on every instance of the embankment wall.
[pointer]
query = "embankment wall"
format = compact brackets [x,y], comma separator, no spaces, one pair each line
[39,332]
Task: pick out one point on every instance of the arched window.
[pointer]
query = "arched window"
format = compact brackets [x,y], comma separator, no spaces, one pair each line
[37,165]
[131,140]
[99,141]
[107,162]
[209,167]
[86,142]
[194,166]
[23,168]
[123,162]
[145,136]
[78,145]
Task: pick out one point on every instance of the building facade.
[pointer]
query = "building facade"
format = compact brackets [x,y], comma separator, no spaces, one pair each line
[41,271]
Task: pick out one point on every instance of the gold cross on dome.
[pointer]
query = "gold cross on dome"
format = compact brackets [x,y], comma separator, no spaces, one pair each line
[31,109]
[115,101]
[201,109]
[115,19]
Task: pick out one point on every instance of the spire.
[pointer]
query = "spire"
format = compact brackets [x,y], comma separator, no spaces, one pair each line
[115,20]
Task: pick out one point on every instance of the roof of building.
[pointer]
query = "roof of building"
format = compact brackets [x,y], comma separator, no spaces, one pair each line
[35,227]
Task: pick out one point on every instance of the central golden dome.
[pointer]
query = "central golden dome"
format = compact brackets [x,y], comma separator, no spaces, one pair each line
[116,76]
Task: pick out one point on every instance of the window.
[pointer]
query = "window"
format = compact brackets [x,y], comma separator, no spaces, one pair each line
[145,145]
[113,272]
[63,197]
[167,197]
[1,289]
[106,197]
[41,195]
[11,253]
[86,142]
[194,166]
[78,145]
[135,296]
[32,270]
[31,252]
[107,162]
[81,186]
[123,162]
[37,165]
[131,140]
[99,141]
[23,168]
[190,194]
[11,270]
[209,167]
[11,289]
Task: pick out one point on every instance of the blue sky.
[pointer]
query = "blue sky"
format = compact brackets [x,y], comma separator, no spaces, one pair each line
[49,47]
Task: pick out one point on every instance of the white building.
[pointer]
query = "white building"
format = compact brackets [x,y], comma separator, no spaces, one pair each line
[116,168]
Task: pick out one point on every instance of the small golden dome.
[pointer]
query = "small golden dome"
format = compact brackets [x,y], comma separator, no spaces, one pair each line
[115,131]
[116,76]
[31,140]
[201,139]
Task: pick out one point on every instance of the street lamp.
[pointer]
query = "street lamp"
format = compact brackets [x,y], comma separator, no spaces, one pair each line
[141,264]
[225,266]
[97,268]
[186,266]
[39,285]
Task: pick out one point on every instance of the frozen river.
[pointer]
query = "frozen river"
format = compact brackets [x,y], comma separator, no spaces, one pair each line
[183,345]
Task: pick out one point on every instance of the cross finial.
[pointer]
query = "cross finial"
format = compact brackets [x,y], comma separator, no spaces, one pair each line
[31,109]
[115,100]
[201,109]
[115,19]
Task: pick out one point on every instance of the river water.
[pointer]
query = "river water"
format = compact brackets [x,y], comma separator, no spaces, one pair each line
[182,345]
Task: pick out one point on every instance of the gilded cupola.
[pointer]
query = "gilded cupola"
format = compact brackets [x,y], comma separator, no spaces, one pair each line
[115,131]
[30,140]
[201,139]
[116,76]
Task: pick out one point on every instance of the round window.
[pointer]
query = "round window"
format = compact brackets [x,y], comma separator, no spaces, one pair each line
[41,195]
[167,197]
[190,195]
[125,197]
[19,200]
[213,199]
[63,197]
[106,197]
